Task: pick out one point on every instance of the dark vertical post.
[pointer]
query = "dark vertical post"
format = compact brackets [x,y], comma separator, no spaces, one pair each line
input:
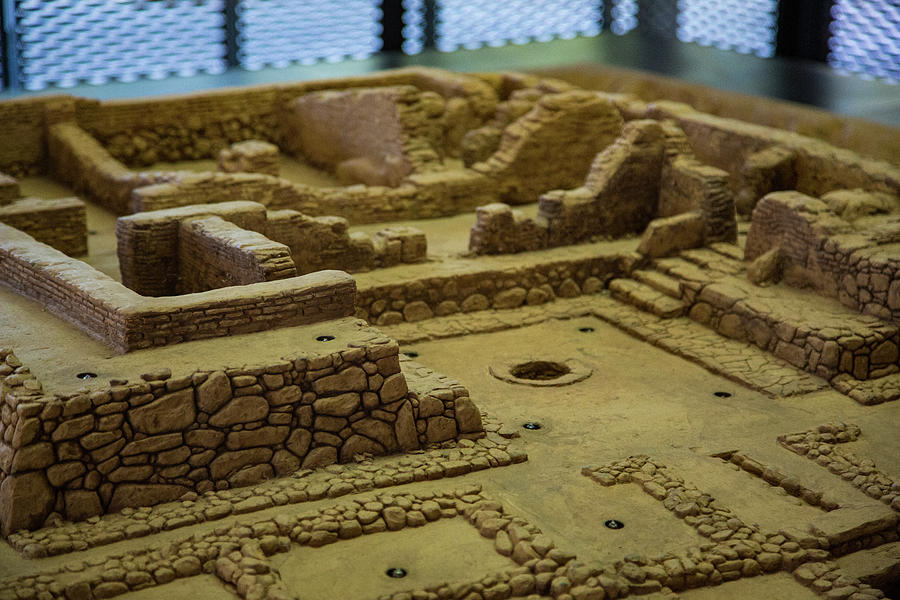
[232,44]
[430,29]
[658,18]
[803,29]
[392,25]
[606,10]
[10,53]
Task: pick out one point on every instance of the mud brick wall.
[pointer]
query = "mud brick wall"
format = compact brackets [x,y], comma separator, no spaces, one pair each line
[148,242]
[572,127]
[109,311]
[214,253]
[60,223]
[821,250]
[468,292]
[79,160]
[387,133]
[140,444]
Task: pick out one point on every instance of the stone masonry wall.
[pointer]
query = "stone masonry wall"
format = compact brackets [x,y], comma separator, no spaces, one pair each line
[251,156]
[864,349]
[139,444]
[422,195]
[571,127]
[468,292]
[60,223]
[109,311]
[326,243]
[818,166]
[214,253]
[79,160]
[148,242]
[648,171]
[821,250]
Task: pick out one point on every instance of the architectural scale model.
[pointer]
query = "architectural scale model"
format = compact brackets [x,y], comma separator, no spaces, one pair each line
[425,335]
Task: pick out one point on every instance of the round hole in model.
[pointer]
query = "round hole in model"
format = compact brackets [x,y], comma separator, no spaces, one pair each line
[411,353]
[86,375]
[324,338]
[613,524]
[586,329]
[722,394]
[396,572]
[531,425]
[540,370]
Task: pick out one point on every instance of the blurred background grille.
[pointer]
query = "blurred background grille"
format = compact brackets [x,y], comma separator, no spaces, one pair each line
[865,37]
[60,43]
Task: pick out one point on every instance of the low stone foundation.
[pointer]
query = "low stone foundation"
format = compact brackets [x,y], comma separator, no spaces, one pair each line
[139,444]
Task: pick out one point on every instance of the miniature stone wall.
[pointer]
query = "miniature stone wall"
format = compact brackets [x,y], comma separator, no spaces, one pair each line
[822,250]
[647,172]
[139,444]
[422,195]
[148,242]
[79,160]
[818,167]
[480,290]
[213,253]
[154,260]
[571,127]
[375,136]
[60,223]
[251,156]
[863,348]
[325,243]
[192,126]
[109,311]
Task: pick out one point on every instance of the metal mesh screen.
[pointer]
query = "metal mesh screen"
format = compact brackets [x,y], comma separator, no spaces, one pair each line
[280,32]
[413,26]
[747,26]
[624,16]
[66,42]
[472,24]
[865,37]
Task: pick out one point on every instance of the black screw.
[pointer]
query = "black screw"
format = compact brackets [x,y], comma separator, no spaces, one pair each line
[585,329]
[532,425]
[614,524]
[86,376]
[324,338]
[722,394]
[396,572]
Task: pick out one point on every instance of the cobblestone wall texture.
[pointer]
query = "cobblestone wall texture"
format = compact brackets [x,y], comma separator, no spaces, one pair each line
[143,443]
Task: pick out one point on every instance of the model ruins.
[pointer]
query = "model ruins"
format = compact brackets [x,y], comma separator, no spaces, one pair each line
[244,325]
